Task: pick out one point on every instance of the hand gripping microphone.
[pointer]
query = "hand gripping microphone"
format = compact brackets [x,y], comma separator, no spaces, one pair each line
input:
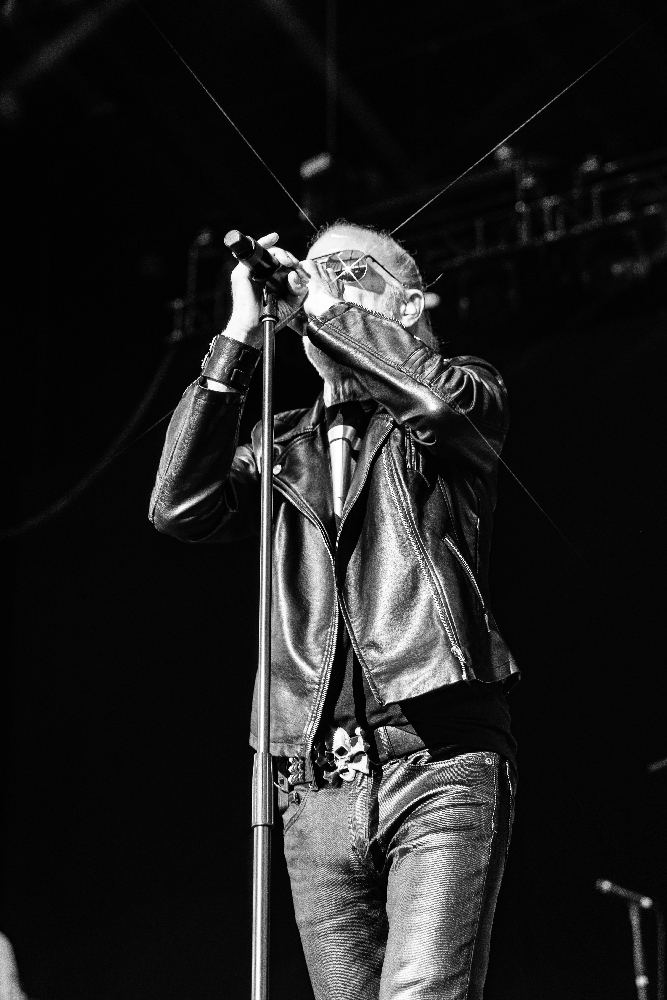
[264,270]
[259,261]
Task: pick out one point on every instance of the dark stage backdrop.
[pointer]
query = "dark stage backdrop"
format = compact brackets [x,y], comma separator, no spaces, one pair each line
[127,846]
[129,658]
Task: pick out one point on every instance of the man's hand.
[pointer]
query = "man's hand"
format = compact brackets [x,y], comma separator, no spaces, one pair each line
[322,294]
[247,296]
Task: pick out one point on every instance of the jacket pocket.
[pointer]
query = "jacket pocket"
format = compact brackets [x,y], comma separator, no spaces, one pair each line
[291,805]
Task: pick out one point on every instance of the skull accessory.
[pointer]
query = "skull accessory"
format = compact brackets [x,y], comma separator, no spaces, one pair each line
[345,757]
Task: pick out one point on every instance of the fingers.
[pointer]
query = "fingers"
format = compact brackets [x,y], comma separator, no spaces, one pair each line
[283,257]
[321,293]
[319,284]
[305,272]
[309,267]
[269,240]
[298,280]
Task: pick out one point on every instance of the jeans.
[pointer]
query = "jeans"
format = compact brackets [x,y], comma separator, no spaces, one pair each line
[395,876]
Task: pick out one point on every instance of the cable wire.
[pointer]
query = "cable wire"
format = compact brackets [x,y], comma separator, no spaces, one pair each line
[526,490]
[522,125]
[115,450]
[222,110]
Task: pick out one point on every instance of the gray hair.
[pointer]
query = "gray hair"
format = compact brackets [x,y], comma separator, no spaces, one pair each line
[401,264]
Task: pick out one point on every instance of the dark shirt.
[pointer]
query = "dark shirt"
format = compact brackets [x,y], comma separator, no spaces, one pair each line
[471,715]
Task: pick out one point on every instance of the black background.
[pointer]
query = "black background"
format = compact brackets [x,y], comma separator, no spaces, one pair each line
[130,657]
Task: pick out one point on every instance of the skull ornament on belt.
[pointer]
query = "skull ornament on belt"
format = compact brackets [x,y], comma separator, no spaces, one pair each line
[345,757]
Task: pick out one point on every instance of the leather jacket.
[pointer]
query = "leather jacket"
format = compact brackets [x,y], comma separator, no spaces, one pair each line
[408,565]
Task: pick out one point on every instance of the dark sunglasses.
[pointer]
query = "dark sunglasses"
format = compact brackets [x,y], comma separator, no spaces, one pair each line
[351,267]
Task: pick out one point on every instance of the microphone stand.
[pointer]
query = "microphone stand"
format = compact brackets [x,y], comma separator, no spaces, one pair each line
[262,777]
[641,979]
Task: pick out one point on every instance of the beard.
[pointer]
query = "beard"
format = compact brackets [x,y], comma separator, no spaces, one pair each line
[340,383]
[326,367]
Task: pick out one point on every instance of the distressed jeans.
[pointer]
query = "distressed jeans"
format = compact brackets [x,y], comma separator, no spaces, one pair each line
[395,876]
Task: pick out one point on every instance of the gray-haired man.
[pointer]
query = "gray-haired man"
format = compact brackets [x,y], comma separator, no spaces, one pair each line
[388,717]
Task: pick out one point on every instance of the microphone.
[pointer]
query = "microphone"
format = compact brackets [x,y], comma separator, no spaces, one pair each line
[259,261]
[604,885]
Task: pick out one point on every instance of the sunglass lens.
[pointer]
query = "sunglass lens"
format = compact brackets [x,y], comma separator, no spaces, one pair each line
[346,267]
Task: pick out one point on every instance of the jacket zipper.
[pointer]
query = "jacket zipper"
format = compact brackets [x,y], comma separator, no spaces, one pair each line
[450,628]
[314,722]
[378,315]
[311,727]
[445,493]
[340,528]
[471,577]
[409,450]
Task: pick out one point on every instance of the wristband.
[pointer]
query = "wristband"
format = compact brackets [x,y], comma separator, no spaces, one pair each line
[230,362]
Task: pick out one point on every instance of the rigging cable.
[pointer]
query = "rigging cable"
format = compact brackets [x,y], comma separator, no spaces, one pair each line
[526,490]
[222,110]
[523,124]
[116,449]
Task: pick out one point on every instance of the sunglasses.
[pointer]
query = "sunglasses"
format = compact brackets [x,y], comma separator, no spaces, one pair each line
[352,267]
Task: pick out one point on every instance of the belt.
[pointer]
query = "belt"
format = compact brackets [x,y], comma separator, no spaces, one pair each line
[292,771]
[391,742]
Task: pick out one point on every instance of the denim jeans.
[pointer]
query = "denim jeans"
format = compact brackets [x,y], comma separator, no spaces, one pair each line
[395,876]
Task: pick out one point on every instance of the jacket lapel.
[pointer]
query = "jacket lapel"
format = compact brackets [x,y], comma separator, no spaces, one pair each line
[378,430]
[302,471]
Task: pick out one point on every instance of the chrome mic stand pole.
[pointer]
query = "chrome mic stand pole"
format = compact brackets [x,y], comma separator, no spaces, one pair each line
[641,979]
[262,266]
[262,777]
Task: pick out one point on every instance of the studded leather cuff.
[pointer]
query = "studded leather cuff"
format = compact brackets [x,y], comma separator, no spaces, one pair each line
[230,362]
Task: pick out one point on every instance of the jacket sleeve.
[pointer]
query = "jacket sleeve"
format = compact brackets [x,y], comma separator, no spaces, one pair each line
[207,488]
[455,407]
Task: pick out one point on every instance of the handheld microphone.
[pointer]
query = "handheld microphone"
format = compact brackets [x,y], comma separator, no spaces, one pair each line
[604,885]
[259,261]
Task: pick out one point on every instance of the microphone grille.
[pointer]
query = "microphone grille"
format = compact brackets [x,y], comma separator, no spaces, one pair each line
[232,238]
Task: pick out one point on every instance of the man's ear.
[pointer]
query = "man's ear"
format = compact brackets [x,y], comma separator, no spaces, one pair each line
[412,307]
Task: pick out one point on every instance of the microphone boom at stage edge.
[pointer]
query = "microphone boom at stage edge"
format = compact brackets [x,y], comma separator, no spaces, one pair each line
[605,886]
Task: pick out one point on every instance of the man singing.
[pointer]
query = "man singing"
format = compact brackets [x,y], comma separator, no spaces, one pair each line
[389,724]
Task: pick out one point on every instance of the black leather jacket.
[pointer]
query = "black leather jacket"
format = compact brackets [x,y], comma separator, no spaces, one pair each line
[408,564]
